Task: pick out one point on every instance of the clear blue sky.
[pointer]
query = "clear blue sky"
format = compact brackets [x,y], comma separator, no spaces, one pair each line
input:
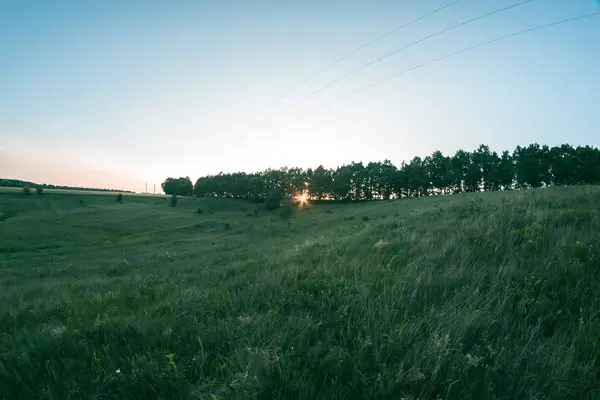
[113,93]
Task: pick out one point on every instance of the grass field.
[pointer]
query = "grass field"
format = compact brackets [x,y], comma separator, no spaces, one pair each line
[480,296]
[70,191]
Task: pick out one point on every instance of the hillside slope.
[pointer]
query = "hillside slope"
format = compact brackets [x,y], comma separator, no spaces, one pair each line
[17,183]
[480,296]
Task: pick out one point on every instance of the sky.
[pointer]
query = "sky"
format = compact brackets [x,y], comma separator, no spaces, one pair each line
[114,94]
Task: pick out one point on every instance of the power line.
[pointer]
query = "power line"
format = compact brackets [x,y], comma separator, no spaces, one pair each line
[489,14]
[369,44]
[359,49]
[454,54]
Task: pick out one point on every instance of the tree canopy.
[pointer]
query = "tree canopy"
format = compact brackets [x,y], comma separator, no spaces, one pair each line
[532,166]
[178,186]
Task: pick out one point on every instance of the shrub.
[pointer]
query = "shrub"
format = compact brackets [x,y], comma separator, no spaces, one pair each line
[120,198]
[199,211]
[365,218]
[39,190]
[227,226]
[174,200]
[288,208]
[273,200]
[26,190]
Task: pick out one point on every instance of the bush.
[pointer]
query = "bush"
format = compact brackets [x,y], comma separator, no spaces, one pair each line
[174,200]
[288,208]
[273,200]
[365,218]
[227,226]
[199,211]
[39,190]
[119,198]
[26,190]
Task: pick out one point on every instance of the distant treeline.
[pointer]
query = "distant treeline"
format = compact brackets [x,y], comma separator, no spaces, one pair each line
[19,183]
[532,166]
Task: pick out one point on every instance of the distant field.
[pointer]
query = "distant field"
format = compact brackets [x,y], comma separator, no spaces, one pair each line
[479,296]
[65,191]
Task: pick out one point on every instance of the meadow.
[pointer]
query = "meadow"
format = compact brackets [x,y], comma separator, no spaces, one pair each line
[4,189]
[480,296]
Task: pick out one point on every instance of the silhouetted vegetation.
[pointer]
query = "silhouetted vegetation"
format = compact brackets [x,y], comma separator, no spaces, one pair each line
[274,198]
[119,198]
[39,190]
[180,186]
[288,209]
[26,190]
[174,200]
[480,170]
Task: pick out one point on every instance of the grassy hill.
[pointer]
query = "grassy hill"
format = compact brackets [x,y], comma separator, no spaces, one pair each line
[17,184]
[479,296]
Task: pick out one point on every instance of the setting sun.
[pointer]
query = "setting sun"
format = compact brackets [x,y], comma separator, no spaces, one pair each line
[302,199]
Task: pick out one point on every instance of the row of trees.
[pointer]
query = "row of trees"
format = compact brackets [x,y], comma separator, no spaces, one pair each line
[526,167]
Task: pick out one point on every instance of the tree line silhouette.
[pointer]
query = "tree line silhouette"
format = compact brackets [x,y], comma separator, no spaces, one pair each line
[26,184]
[532,166]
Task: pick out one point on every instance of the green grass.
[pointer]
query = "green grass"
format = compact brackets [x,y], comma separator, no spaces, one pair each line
[480,296]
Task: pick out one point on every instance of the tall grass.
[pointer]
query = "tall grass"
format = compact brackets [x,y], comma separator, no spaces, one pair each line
[479,296]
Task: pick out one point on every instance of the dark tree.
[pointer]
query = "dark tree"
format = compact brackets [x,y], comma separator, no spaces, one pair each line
[506,171]
[587,161]
[358,180]
[473,178]
[416,178]
[440,173]
[341,187]
[563,165]
[320,183]
[461,161]
[180,186]
[530,163]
